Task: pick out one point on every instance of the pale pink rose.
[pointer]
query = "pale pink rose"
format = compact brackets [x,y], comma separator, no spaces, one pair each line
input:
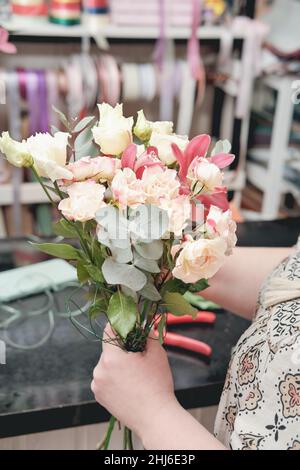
[179,212]
[221,224]
[203,175]
[160,183]
[199,259]
[98,168]
[84,200]
[127,189]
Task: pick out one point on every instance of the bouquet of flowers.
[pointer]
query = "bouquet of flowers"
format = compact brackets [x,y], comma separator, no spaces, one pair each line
[148,211]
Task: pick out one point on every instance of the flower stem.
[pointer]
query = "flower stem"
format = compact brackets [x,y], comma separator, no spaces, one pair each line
[43,186]
[105,444]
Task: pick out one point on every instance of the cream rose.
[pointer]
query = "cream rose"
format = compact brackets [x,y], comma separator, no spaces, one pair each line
[16,153]
[203,175]
[179,212]
[50,154]
[127,190]
[84,200]
[160,183]
[199,259]
[113,132]
[98,168]
[163,144]
[221,224]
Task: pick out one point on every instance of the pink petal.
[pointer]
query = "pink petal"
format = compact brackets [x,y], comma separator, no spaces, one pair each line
[129,157]
[222,159]
[3,35]
[147,159]
[219,199]
[197,147]
[180,157]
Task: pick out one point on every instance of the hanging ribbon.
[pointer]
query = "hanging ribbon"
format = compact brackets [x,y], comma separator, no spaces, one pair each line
[193,51]
[14,118]
[160,46]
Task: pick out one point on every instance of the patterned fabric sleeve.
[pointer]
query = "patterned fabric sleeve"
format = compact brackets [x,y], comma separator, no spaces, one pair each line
[267,414]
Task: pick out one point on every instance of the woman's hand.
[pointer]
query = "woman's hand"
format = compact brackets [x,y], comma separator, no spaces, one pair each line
[133,387]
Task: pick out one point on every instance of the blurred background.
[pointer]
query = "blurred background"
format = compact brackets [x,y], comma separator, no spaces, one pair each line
[227,68]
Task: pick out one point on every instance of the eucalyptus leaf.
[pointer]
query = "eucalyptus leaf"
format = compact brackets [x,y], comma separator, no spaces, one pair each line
[115,224]
[150,292]
[177,305]
[152,250]
[222,146]
[148,265]
[125,274]
[122,313]
[81,125]
[122,255]
[62,117]
[59,250]
[148,222]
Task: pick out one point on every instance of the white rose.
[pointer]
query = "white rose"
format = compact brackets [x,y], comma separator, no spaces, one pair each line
[221,224]
[199,259]
[203,175]
[113,132]
[163,144]
[162,127]
[127,190]
[179,212]
[50,154]
[16,153]
[160,183]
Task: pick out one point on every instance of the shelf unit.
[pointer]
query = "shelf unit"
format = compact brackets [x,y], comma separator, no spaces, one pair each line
[270,179]
[44,29]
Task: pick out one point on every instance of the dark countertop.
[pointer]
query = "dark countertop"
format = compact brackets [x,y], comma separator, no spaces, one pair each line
[49,387]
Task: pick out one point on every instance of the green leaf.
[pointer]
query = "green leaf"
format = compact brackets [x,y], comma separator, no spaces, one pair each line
[199,302]
[98,308]
[65,229]
[95,273]
[150,292]
[81,125]
[198,286]
[174,285]
[82,273]
[122,313]
[161,327]
[58,250]
[177,304]
[62,117]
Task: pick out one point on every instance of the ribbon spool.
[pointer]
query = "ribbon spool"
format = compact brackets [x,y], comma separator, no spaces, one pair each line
[29,7]
[95,13]
[65,12]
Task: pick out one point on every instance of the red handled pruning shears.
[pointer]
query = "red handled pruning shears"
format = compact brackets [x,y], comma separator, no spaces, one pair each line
[183,342]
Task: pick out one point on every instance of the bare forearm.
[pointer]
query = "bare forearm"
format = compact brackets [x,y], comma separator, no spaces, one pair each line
[172,427]
[236,286]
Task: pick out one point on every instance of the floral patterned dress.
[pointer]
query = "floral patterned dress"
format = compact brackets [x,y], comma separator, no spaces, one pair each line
[260,403]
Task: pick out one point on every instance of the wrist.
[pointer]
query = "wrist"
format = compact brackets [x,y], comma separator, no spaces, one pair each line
[156,418]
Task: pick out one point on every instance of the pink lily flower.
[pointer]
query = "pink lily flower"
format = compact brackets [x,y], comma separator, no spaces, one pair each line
[197,147]
[6,46]
[148,159]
